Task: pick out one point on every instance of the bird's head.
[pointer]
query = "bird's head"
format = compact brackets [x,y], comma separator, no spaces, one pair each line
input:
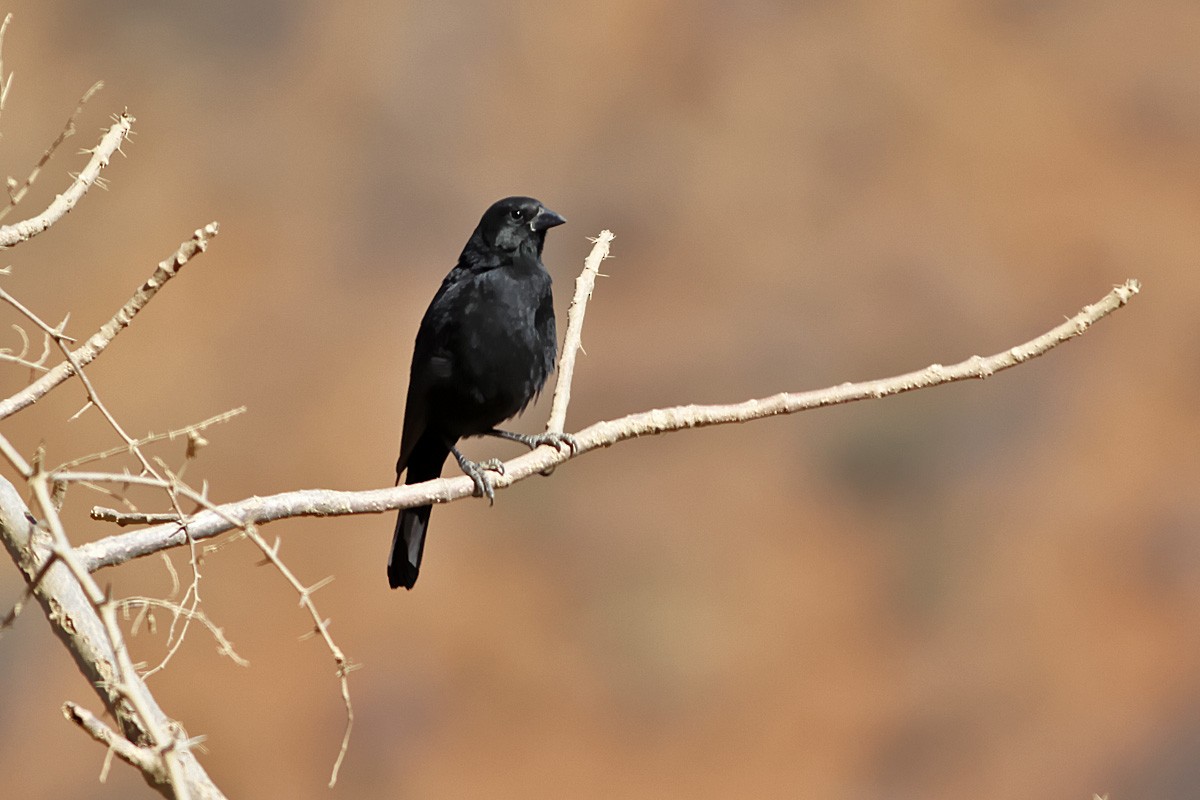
[513,221]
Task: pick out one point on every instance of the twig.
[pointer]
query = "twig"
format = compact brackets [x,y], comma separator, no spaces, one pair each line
[26,595]
[321,628]
[151,438]
[224,646]
[16,192]
[123,518]
[6,353]
[97,342]
[271,553]
[9,451]
[122,547]
[62,340]
[110,143]
[5,82]
[141,758]
[572,341]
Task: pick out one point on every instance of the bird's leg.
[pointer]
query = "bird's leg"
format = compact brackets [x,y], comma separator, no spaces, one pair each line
[478,473]
[560,441]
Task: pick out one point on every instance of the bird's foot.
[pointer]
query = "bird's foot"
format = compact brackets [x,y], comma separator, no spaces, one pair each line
[557,439]
[493,465]
[478,473]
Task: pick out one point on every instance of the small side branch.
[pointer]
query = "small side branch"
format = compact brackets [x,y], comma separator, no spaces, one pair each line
[97,342]
[110,143]
[573,340]
[139,757]
[17,192]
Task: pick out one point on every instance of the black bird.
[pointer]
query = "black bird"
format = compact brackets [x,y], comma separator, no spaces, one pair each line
[484,350]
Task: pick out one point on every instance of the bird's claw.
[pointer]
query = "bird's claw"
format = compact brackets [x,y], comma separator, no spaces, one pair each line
[483,486]
[478,474]
[563,442]
[494,465]
[558,440]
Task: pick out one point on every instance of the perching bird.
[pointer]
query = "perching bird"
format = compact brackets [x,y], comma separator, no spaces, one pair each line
[484,350]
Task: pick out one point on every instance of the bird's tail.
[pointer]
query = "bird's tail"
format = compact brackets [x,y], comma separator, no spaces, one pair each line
[424,464]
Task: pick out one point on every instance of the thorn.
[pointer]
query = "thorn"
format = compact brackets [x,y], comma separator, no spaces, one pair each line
[316,587]
[79,413]
[59,333]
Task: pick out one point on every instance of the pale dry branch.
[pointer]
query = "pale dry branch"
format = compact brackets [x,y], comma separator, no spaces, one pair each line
[17,191]
[101,339]
[122,547]
[75,620]
[271,556]
[177,610]
[125,518]
[320,628]
[5,80]
[21,358]
[573,339]
[110,143]
[126,687]
[26,595]
[62,340]
[141,758]
[151,438]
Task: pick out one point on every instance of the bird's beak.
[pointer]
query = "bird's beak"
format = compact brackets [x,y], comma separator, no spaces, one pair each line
[546,219]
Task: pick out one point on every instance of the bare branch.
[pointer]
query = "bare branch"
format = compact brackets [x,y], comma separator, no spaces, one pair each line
[126,518]
[17,192]
[224,646]
[126,689]
[572,341]
[151,438]
[122,547]
[110,143]
[97,342]
[139,757]
[6,354]
[75,620]
[5,81]
[320,628]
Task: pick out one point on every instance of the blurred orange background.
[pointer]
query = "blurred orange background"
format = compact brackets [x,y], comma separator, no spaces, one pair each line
[986,590]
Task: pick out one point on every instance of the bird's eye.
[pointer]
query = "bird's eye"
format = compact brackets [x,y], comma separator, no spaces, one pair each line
[517,214]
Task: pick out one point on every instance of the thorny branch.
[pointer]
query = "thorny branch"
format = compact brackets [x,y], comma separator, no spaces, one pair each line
[101,339]
[111,143]
[123,547]
[82,614]
[142,758]
[573,339]
[17,191]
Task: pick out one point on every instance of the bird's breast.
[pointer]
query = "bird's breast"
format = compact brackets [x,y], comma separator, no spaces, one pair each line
[503,353]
